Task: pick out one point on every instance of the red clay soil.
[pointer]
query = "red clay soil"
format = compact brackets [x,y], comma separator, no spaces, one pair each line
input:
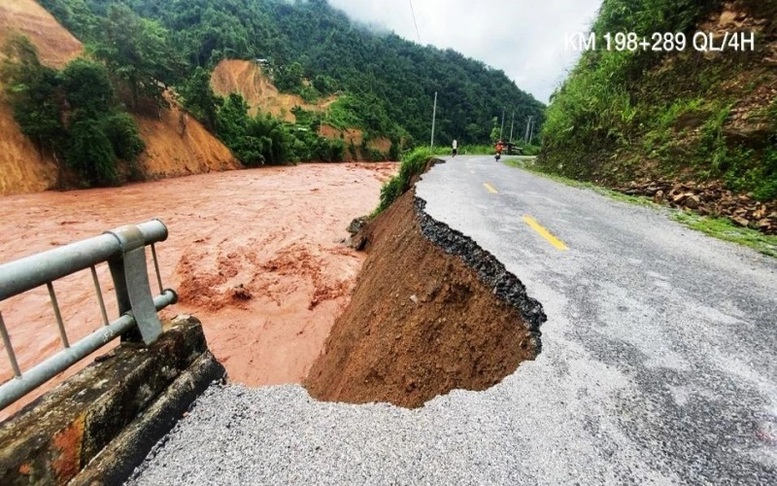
[177,144]
[420,324]
[56,46]
[256,254]
[247,78]
[355,137]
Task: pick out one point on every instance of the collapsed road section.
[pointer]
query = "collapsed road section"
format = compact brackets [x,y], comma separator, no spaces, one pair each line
[431,312]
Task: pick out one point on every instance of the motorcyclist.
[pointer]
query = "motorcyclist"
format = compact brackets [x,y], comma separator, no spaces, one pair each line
[499,147]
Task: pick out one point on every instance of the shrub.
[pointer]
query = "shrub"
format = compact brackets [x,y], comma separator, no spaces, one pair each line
[413,164]
[91,154]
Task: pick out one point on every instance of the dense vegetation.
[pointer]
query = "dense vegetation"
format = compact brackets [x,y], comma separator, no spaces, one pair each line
[388,83]
[624,115]
[73,114]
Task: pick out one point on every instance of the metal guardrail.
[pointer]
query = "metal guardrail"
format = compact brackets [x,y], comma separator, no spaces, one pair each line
[124,249]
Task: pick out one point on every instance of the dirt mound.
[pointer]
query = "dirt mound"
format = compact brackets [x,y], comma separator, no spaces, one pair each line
[177,144]
[247,78]
[421,321]
[56,46]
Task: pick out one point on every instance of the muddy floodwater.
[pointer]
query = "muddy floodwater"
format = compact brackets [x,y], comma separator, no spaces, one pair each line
[256,255]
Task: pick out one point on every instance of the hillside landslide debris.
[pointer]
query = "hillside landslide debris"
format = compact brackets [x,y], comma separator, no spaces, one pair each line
[709,199]
[431,312]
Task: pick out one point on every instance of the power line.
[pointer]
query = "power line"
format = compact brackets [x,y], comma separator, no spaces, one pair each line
[418,32]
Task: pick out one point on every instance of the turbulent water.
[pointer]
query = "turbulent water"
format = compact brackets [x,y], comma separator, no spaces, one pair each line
[257,255]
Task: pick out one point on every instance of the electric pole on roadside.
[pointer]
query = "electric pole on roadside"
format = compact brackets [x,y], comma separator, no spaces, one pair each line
[502,128]
[531,133]
[434,119]
[512,123]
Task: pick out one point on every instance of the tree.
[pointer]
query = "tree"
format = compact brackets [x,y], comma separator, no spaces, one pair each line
[198,97]
[495,129]
[137,51]
[33,91]
[289,77]
[391,80]
[87,86]
[91,154]
[122,131]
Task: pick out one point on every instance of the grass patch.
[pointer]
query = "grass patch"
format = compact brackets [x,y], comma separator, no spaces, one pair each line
[723,229]
[720,228]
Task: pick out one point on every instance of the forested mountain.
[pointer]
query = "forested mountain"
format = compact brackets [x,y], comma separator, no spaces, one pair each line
[387,84]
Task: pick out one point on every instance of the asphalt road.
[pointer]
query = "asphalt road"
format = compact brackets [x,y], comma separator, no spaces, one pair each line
[659,364]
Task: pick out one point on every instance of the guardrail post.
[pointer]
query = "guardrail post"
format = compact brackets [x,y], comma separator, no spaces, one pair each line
[130,279]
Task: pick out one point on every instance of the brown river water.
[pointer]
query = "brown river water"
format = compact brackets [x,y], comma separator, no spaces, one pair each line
[257,255]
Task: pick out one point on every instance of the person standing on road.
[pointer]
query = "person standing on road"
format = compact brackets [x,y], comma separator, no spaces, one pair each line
[455,147]
[499,147]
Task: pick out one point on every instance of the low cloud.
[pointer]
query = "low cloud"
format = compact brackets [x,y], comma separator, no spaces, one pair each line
[523,38]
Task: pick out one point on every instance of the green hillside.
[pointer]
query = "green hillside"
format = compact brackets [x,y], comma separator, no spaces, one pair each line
[390,82]
[680,114]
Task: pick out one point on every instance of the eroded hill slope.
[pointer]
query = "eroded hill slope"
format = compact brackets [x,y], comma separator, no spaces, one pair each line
[247,78]
[175,144]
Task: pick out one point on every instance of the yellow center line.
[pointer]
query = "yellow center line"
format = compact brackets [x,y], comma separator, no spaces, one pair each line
[558,244]
[490,188]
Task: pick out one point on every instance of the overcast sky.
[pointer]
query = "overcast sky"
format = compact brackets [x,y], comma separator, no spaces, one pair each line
[524,38]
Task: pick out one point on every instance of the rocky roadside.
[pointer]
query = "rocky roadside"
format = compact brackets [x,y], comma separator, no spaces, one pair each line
[709,199]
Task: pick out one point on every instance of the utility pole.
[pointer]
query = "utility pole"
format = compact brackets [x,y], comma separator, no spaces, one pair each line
[512,123]
[502,128]
[531,134]
[434,119]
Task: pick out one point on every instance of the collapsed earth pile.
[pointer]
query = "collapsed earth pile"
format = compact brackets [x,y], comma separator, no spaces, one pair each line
[431,312]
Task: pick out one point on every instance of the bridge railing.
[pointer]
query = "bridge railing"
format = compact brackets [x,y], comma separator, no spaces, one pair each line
[124,249]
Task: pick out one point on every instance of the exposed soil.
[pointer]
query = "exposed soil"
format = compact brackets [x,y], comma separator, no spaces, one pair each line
[257,255]
[56,46]
[176,144]
[422,321]
[247,78]
[22,167]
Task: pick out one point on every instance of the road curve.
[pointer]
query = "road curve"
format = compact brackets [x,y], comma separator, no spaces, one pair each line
[659,364]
